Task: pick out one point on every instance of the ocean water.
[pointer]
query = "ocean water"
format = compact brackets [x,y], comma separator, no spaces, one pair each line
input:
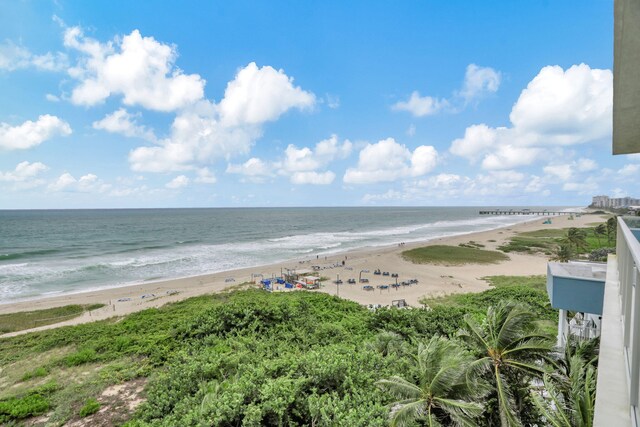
[48,252]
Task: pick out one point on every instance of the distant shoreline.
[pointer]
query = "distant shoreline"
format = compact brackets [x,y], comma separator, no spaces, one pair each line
[434,280]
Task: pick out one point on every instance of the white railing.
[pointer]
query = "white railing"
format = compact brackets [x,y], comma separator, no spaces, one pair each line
[628,254]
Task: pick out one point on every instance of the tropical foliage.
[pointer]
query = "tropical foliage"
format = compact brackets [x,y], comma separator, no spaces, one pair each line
[443,394]
[510,352]
[257,359]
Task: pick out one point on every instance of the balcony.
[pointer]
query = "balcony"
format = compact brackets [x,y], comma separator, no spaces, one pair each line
[617,398]
[577,287]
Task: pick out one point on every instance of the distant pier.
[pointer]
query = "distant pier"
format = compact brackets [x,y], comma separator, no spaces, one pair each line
[525,212]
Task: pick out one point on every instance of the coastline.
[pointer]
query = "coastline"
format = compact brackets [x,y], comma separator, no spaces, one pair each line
[433,280]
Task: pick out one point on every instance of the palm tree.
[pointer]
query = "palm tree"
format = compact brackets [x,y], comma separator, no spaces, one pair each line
[442,394]
[600,230]
[570,400]
[507,344]
[576,237]
[562,253]
[612,228]
[386,343]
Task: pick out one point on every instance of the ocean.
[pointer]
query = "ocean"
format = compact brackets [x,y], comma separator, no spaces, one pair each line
[50,252]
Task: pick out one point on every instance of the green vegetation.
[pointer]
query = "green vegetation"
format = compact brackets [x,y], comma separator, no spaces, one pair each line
[443,394]
[13,322]
[565,244]
[255,358]
[91,407]
[452,255]
[471,244]
[36,373]
[34,402]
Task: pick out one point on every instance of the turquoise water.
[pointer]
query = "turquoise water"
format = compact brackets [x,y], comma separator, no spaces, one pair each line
[58,251]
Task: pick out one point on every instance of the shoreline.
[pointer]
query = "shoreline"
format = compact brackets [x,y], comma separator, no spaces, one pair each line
[301,259]
[434,280]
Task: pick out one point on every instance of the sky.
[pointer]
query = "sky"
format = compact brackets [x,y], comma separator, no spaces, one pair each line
[120,104]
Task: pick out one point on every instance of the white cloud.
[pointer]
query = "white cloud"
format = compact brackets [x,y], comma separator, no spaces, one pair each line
[558,108]
[140,69]
[563,172]
[387,160]
[586,165]
[630,169]
[509,156]
[52,98]
[307,159]
[589,187]
[566,107]
[177,182]
[65,180]
[387,196]
[252,167]
[316,178]
[301,165]
[535,185]
[420,106]
[120,121]
[259,95]
[14,57]
[25,173]
[30,133]
[333,101]
[423,160]
[88,183]
[479,81]
[205,176]
[207,131]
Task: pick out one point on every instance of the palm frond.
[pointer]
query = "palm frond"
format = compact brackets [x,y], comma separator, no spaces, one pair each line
[400,388]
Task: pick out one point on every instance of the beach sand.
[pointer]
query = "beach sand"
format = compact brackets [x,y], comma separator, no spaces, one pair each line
[434,280]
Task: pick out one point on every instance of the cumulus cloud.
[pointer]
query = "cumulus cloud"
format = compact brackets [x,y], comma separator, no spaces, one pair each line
[387,161]
[302,165]
[563,172]
[178,182]
[14,57]
[259,95]
[496,186]
[138,68]
[631,169]
[420,106]
[207,131]
[315,178]
[25,174]
[252,167]
[478,82]
[307,159]
[587,187]
[205,176]
[30,133]
[120,121]
[254,170]
[85,184]
[558,108]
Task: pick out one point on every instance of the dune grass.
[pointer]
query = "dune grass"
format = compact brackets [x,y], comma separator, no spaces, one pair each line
[453,255]
[13,322]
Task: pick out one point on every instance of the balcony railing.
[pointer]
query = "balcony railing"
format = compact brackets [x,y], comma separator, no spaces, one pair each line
[628,254]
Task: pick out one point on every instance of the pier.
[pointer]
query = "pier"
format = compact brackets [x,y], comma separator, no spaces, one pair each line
[525,212]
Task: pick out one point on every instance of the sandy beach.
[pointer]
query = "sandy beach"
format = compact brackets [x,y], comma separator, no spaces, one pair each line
[433,280]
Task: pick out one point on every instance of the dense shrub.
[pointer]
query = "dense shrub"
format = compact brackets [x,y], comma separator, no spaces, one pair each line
[91,407]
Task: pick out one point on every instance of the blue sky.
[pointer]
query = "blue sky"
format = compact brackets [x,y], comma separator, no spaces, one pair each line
[145,104]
